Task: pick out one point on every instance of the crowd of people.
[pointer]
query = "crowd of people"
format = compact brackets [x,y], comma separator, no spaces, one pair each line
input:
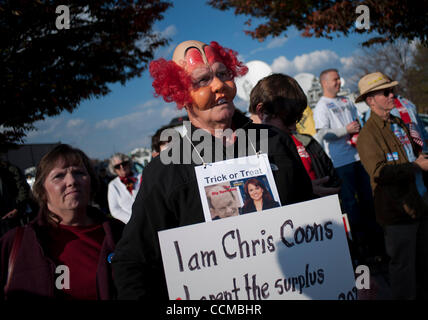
[377,168]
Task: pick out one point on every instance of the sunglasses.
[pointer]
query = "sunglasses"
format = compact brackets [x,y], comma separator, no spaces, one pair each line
[386,92]
[122,164]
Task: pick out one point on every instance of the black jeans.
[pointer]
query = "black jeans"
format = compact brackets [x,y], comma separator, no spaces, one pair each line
[407,247]
[357,202]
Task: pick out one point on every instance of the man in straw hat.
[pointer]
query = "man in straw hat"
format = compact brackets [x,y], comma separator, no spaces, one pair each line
[397,173]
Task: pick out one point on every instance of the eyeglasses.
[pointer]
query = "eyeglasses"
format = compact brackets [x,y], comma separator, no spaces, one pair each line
[388,91]
[122,164]
[205,76]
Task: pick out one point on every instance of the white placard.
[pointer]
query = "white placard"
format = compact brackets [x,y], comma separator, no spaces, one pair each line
[298,251]
[223,183]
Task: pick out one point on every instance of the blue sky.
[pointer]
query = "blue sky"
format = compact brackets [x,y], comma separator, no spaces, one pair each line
[127,117]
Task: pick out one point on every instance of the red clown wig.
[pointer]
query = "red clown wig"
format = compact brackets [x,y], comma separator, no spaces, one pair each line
[173,83]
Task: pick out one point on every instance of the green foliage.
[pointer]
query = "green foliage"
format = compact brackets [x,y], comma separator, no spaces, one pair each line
[44,71]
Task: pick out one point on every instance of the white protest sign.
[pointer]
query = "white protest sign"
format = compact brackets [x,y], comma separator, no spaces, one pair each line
[222,183]
[298,251]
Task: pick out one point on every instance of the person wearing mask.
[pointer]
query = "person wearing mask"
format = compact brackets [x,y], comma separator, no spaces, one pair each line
[123,189]
[65,252]
[199,78]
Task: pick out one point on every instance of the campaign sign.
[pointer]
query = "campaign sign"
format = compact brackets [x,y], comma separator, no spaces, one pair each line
[297,251]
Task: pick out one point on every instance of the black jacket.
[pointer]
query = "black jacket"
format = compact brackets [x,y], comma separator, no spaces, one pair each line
[321,162]
[169,198]
[250,207]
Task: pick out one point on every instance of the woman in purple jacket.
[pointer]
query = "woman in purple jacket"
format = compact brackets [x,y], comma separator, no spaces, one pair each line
[65,252]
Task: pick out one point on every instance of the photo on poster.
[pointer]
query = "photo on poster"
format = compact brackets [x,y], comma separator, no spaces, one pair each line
[223,201]
[255,194]
[237,186]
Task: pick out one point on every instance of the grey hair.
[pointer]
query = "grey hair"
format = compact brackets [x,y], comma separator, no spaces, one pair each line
[122,157]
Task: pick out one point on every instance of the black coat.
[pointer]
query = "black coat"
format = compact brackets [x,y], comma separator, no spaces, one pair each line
[321,162]
[250,207]
[169,198]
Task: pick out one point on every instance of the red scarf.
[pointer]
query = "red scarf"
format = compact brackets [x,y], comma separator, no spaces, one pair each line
[305,157]
[129,183]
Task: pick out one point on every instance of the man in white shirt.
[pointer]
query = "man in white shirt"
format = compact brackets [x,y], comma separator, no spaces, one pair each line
[337,125]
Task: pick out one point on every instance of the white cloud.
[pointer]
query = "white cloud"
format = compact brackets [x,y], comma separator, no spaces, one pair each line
[169,31]
[170,112]
[283,65]
[149,104]
[46,127]
[276,43]
[73,123]
[61,128]
[166,52]
[272,44]
[347,62]
[314,62]
[152,111]
[306,62]
[315,59]
[125,120]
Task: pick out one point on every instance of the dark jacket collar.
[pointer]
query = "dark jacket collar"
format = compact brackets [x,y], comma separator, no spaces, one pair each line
[383,123]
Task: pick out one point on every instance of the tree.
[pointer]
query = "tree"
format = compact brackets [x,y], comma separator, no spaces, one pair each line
[406,62]
[45,70]
[389,19]
[418,79]
[392,59]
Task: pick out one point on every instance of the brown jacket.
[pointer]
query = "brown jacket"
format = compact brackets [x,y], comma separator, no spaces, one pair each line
[393,179]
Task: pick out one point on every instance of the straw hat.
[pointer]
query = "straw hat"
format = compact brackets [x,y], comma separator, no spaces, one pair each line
[373,82]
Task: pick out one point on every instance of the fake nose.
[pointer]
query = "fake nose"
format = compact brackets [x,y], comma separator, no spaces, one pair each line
[217,85]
